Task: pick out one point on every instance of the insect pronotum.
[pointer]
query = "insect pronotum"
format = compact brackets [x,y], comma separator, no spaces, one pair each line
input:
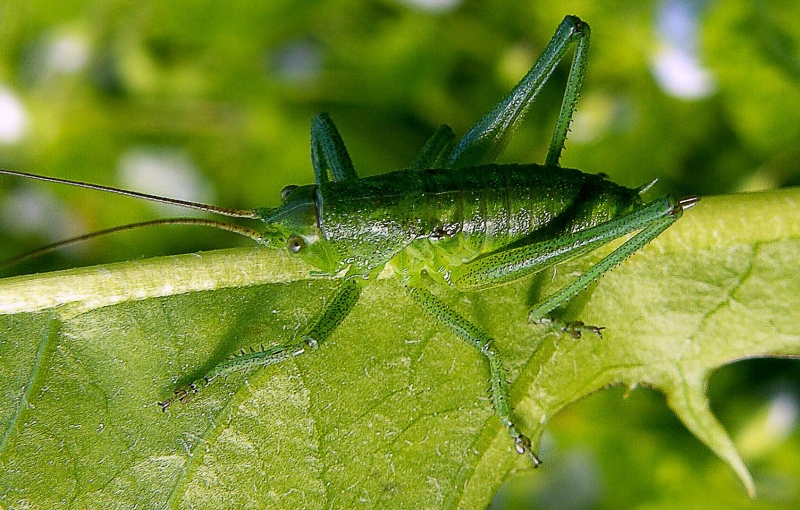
[454,217]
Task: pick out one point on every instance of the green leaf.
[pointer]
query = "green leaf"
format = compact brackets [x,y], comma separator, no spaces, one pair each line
[392,411]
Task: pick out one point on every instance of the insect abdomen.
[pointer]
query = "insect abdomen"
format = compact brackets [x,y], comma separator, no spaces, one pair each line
[490,207]
[464,212]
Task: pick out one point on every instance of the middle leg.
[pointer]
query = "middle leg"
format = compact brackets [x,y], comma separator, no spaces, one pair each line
[484,343]
[259,356]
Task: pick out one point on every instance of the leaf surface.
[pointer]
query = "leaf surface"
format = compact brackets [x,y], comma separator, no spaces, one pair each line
[393,410]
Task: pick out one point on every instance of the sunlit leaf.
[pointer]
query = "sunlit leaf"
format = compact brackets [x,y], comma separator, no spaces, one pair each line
[392,411]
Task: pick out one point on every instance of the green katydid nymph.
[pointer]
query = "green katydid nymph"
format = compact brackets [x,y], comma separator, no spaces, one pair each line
[454,217]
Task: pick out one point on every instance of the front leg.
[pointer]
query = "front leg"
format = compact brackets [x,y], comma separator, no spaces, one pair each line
[484,343]
[257,356]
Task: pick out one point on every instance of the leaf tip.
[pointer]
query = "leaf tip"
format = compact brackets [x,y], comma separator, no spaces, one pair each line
[690,404]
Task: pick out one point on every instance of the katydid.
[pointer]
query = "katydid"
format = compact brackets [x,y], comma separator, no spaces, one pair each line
[454,217]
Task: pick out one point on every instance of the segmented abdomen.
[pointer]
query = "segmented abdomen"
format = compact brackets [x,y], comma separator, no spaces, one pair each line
[462,213]
[493,206]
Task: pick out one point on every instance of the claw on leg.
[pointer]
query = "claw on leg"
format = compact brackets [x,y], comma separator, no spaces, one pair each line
[523,446]
[184,394]
[575,329]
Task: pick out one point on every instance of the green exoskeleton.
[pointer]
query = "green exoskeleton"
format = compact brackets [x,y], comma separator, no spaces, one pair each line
[454,217]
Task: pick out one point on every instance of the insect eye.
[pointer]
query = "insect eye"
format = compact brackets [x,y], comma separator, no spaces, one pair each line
[295,243]
[287,190]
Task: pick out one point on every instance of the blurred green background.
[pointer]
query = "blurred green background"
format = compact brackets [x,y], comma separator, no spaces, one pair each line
[211,101]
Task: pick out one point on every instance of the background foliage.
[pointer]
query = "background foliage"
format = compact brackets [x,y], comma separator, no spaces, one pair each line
[224,92]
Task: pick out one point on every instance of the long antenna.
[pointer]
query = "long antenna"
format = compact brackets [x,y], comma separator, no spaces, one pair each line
[236,213]
[236,229]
